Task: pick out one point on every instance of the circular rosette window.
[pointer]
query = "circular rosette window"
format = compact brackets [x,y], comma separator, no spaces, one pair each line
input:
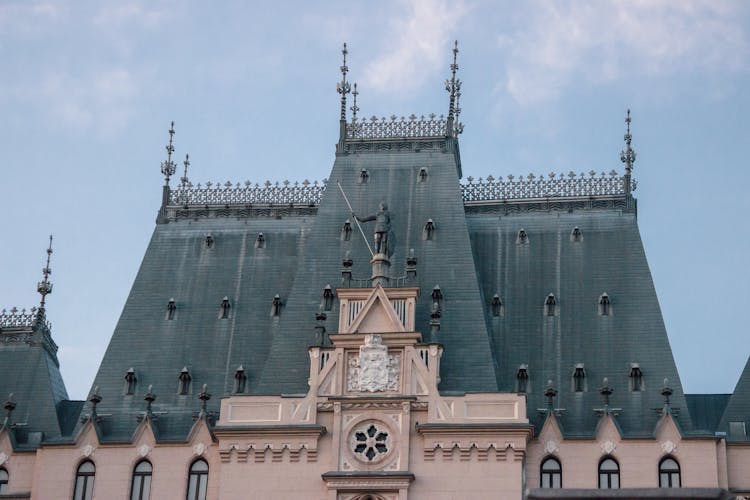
[371,442]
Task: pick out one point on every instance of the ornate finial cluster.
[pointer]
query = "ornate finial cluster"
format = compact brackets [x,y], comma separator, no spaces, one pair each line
[44,287]
[627,155]
[453,86]
[550,394]
[184,180]
[343,86]
[606,391]
[666,392]
[204,396]
[354,107]
[168,167]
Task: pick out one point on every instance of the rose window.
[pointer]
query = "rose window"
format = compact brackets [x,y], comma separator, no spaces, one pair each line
[370,443]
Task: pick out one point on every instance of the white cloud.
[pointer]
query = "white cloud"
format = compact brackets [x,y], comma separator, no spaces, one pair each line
[418,45]
[605,41]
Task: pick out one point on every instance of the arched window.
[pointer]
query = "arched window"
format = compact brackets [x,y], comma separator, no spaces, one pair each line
[198,480]
[669,473]
[84,487]
[551,473]
[141,487]
[609,474]
[3,480]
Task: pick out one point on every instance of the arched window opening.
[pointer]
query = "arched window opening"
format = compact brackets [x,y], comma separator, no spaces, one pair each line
[609,474]
[198,480]
[579,378]
[346,230]
[364,176]
[240,379]
[3,480]
[551,473]
[141,485]
[669,473]
[184,379]
[522,379]
[550,305]
[84,487]
[260,241]
[636,377]
[498,308]
[522,238]
[576,235]
[130,380]
[429,230]
[328,298]
[604,305]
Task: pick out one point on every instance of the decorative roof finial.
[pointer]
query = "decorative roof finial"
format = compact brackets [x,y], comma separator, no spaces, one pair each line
[204,396]
[453,86]
[627,155]
[9,405]
[168,167]
[606,391]
[186,163]
[44,287]
[550,394]
[343,86]
[354,107]
[666,392]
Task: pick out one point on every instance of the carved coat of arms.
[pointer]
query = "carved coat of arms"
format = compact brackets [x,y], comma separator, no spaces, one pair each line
[374,370]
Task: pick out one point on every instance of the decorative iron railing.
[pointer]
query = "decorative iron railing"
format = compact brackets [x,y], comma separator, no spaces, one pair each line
[474,190]
[551,186]
[405,127]
[15,318]
[285,193]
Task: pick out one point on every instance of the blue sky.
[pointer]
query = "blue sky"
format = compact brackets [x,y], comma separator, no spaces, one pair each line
[88,88]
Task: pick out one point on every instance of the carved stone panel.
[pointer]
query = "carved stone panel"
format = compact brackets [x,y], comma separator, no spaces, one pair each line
[374,369]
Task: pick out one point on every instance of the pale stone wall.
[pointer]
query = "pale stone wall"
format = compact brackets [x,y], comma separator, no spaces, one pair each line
[738,466]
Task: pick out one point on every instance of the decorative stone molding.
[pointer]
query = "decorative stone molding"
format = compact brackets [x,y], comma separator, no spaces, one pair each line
[143,450]
[668,446]
[269,443]
[4,458]
[374,370]
[551,446]
[199,449]
[608,446]
[87,450]
[475,441]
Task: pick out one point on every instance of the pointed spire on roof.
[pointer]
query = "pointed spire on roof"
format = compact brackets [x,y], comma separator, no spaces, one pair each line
[354,107]
[343,86]
[627,155]
[168,167]
[550,394]
[204,396]
[186,163]
[453,86]
[44,287]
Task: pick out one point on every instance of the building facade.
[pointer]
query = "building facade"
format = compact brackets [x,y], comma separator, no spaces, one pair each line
[391,333]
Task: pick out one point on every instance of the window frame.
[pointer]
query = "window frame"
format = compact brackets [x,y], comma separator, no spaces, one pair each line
[550,474]
[201,481]
[4,480]
[608,474]
[670,474]
[141,476]
[81,488]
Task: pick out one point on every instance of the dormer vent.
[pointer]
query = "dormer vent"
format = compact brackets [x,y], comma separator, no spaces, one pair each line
[276,306]
[498,308]
[576,235]
[579,378]
[636,377]
[411,265]
[184,378]
[328,298]
[522,238]
[260,241]
[224,308]
[171,309]
[429,230]
[604,305]
[550,305]
[346,230]
[240,380]
[437,301]
[522,379]
[364,176]
[422,177]
[130,380]
[209,240]
[346,270]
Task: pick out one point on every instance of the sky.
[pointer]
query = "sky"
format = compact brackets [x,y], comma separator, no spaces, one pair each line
[88,90]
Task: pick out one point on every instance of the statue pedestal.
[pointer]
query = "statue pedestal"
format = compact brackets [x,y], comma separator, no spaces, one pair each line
[381,267]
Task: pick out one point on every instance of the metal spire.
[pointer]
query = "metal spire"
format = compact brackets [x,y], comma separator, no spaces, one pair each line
[453,86]
[184,179]
[343,86]
[44,287]
[168,167]
[354,107]
[627,155]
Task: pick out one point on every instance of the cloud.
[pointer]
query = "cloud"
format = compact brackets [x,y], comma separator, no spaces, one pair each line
[559,42]
[418,48]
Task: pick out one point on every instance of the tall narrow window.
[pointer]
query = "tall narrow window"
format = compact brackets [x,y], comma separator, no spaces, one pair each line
[3,480]
[551,473]
[429,230]
[198,480]
[550,305]
[522,379]
[636,377]
[346,230]
[579,378]
[171,308]
[276,306]
[224,308]
[609,474]
[669,473]
[184,379]
[327,298]
[240,379]
[604,305]
[141,487]
[84,487]
[498,309]
[130,380]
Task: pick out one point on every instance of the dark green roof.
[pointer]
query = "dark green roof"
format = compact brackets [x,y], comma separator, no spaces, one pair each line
[738,409]
[706,410]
